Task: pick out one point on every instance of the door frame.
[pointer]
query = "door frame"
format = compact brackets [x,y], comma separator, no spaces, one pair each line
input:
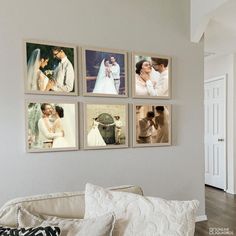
[213,79]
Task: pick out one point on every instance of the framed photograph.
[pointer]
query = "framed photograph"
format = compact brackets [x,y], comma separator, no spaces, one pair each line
[51,126]
[151,76]
[50,68]
[106,126]
[104,72]
[151,125]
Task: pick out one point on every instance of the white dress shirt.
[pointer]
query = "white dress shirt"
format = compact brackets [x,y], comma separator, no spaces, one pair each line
[115,70]
[159,86]
[118,124]
[162,85]
[145,128]
[65,76]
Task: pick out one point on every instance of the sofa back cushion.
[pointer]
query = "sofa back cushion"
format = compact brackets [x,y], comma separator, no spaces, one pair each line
[66,205]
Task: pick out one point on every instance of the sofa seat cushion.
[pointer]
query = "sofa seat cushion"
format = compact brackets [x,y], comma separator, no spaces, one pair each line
[65,205]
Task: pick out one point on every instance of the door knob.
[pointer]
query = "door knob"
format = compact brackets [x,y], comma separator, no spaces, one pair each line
[220,139]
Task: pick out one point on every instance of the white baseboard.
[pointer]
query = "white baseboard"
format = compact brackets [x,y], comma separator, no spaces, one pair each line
[201,218]
[230,191]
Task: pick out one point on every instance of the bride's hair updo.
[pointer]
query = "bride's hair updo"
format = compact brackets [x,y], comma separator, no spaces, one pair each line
[160,108]
[43,55]
[139,66]
[59,111]
[106,59]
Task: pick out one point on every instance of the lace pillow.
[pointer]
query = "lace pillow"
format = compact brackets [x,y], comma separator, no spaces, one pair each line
[39,231]
[142,216]
[100,226]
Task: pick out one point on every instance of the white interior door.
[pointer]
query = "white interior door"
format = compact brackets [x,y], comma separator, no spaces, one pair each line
[215,132]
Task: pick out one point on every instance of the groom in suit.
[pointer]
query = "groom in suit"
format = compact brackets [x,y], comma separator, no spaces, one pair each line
[161,65]
[118,128]
[64,72]
[115,70]
[145,128]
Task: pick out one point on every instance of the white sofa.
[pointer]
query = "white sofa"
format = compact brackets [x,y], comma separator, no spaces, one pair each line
[66,204]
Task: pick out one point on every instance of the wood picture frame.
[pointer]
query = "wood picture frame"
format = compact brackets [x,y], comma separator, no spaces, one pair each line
[50,68]
[105,72]
[106,125]
[51,125]
[151,125]
[151,76]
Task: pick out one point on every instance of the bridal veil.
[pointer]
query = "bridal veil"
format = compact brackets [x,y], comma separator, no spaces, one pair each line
[32,70]
[98,88]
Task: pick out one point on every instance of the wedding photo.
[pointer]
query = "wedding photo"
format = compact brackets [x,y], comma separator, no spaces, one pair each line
[51,126]
[106,126]
[104,72]
[152,125]
[50,68]
[151,76]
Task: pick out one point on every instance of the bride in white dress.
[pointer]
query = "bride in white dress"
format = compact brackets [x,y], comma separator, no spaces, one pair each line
[94,137]
[36,79]
[59,142]
[105,81]
[162,124]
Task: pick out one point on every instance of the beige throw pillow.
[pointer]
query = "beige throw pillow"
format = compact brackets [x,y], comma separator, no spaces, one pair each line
[141,216]
[100,226]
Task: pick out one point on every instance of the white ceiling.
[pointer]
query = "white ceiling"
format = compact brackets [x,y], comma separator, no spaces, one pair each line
[226,14]
[220,35]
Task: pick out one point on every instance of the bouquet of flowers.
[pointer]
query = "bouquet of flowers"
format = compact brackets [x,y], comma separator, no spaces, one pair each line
[49,74]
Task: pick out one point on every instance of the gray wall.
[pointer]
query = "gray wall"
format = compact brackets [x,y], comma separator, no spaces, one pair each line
[157,26]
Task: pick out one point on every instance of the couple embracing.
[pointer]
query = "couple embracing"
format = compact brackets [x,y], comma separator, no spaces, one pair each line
[108,78]
[50,126]
[60,79]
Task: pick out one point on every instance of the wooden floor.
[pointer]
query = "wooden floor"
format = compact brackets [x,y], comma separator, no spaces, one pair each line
[221,214]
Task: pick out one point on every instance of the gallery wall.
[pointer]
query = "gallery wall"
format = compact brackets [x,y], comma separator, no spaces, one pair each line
[156,26]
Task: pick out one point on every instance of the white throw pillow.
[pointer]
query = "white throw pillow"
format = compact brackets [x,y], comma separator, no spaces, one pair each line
[100,226]
[141,216]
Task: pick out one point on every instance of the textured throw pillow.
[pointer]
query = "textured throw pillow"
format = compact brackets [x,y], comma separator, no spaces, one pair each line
[100,226]
[39,231]
[141,216]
